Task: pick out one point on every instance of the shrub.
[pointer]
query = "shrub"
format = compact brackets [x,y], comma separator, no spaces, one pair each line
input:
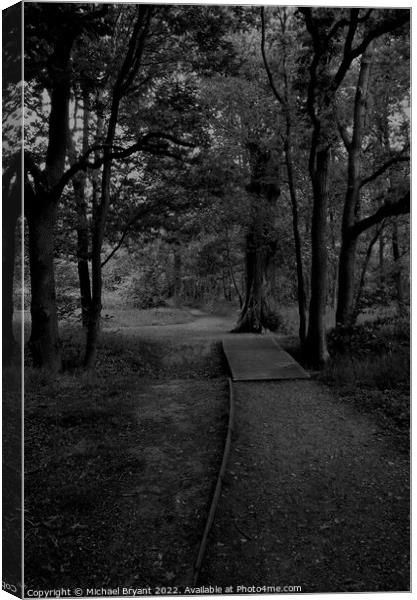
[370,366]
[378,337]
[273,321]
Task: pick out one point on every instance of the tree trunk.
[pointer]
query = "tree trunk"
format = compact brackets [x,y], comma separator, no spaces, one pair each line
[11,211]
[316,345]
[93,328]
[126,75]
[260,245]
[381,262]
[286,102]
[256,312]
[251,319]
[301,292]
[398,270]
[41,212]
[230,267]
[177,273]
[361,284]
[44,344]
[345,302]
[79,187]
[100,211]
[347,258]
[99,221]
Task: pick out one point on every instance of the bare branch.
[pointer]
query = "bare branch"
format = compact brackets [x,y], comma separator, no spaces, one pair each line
[344,135]
[392,161]
[142,211]
[161,147]
[267,67]
[336,26]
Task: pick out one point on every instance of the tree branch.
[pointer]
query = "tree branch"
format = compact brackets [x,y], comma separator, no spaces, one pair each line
[385,27]
[267,68]
[139,213]
[365,16]
[31,167]
[141,145]
[312,28]
[344,135]
[392,161]
[350,53]
[388,209]
[347,50]
[336,26]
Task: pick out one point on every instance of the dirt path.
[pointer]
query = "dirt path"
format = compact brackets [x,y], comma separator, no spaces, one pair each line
[315,496]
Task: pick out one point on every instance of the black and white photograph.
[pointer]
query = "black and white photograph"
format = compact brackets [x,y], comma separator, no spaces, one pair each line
[206,299]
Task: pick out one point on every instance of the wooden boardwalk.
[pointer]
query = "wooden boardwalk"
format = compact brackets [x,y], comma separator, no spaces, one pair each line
[259,357]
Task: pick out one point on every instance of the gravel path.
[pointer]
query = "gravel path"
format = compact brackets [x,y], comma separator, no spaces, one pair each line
[315,496]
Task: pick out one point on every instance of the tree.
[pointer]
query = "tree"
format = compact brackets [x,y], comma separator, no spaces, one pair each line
[12,193]
[357,182]
[124,80]
[286,101]
[346,38]
[49,55]
[51,67]
[12,160]
[79,184]
[260,243]
[165,95]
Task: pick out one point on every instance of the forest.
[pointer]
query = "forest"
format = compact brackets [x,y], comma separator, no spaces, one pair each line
[245,168]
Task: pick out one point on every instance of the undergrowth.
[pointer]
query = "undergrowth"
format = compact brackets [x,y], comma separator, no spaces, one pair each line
[370,366]
[120,355]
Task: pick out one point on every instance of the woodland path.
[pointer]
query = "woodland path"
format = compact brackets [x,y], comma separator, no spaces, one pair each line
[316,495]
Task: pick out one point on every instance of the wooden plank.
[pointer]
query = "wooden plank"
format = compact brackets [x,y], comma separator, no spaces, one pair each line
[259,357]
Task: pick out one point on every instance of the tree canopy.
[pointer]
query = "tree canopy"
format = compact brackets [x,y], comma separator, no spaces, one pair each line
[259,153]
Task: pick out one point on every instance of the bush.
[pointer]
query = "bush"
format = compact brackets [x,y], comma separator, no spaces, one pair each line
[377,337]
[148,291]
[273,321]
[380,296]
[370,366]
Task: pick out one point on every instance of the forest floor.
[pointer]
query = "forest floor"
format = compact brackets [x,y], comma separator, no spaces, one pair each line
[121,470]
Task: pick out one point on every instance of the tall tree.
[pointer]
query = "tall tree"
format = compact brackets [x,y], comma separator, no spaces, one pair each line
[345,38]
[390,197]
[48,61]
[124,80]
[79,184]
[286,101]
[12,162]
[260,244]
[12,195]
